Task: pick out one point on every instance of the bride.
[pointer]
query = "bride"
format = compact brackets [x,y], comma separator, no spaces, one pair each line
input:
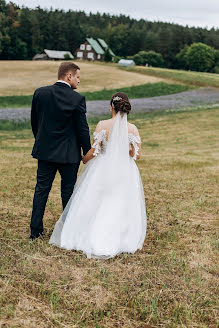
[106,215]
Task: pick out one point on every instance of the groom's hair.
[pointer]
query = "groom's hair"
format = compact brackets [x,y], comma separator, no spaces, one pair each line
[66,67]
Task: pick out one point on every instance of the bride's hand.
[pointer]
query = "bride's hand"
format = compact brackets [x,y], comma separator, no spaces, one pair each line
[131,153]
[88,156]
[84,159]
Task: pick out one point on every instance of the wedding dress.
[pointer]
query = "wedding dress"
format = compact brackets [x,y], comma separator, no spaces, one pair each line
[106,214]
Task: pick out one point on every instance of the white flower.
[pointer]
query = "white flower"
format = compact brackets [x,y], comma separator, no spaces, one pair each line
[117,98]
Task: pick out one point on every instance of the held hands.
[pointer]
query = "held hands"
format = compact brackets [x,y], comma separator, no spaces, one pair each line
[84,159]
[131,153]
[88,156]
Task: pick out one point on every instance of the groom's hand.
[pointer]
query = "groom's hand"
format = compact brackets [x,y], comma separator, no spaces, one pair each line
[84,159]
[88,156]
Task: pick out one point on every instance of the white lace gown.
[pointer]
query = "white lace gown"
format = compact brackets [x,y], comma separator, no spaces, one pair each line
[106,214]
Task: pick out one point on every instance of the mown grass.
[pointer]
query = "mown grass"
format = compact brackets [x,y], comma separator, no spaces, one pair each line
[139,91]
[22,77]
[186,77]
[171,282]
[15,101]
[13,125]
[17,125]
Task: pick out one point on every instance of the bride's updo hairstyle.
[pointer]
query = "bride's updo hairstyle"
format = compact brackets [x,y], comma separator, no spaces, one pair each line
[120,102]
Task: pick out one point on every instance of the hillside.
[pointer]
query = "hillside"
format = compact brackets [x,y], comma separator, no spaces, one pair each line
[179,76]
[23,77]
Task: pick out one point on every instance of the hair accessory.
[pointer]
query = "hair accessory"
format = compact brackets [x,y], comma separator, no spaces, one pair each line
[117,98]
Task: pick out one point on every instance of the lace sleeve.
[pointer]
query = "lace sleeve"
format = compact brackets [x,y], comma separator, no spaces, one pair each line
[134,140]
[98,138]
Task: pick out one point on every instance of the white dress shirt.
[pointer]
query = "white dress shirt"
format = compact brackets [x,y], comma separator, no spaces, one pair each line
[64,82]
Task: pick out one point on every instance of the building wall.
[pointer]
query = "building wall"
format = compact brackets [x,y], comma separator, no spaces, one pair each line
[86,52]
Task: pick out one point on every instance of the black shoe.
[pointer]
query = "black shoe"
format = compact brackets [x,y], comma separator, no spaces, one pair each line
[33,237]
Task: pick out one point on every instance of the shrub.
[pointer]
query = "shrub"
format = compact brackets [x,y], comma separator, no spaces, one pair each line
[216,57]
[138,59]
[150,58]
[215,69]
[200,57]
[130,57]
[116,59]
[67,56]
[107,56]
[181,58]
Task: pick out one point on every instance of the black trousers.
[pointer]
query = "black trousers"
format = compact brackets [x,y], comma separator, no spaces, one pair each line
[46,173]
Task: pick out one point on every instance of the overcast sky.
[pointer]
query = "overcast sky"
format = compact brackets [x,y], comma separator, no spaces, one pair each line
[204,13]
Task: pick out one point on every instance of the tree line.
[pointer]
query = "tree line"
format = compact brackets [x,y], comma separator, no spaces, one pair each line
[25,32]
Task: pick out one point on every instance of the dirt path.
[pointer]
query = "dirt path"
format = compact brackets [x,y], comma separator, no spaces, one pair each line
[194,98]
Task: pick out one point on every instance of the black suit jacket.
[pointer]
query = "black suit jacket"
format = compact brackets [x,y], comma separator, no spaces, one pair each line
[59,124]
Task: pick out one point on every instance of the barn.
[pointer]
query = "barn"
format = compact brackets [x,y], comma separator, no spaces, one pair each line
[92,49]
[53,55]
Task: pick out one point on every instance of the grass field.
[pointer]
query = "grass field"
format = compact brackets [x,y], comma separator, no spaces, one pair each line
[138,91]
[185,77]
[171,282]
[23,77]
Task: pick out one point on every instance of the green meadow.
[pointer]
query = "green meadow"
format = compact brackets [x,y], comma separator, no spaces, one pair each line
[139,91]
[192,78]
[171,282]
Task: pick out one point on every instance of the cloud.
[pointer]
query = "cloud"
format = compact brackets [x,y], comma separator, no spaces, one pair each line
[187,12]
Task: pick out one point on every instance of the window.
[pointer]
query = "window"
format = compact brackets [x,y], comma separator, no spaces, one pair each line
[82,46]
[90,55]
[79,54]
[88,47]
[98,56]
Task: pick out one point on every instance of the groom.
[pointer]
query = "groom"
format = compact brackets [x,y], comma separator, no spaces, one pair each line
[59,125]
